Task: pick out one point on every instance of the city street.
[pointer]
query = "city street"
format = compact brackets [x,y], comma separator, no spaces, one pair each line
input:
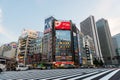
[63,74]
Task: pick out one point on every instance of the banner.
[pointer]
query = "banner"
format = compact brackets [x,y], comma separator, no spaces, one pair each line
[62,25]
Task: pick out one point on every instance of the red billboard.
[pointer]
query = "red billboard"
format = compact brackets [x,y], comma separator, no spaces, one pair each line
[62,25]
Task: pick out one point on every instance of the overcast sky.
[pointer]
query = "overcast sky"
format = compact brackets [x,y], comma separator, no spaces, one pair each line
[16,15]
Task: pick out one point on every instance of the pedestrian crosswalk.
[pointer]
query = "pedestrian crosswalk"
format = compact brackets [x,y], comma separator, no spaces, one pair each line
[109,75]
[63,74]
[96,75]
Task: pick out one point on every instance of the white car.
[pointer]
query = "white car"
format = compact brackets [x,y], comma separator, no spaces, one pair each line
[21,68]
[2,67]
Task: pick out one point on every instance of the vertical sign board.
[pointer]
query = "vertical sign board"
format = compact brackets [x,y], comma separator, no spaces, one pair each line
[80,56]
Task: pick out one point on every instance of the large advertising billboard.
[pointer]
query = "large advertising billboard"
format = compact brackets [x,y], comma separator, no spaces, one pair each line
[48,24]
[62,25]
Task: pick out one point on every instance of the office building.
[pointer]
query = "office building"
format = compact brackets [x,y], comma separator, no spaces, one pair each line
[36,50]
[48,41]
[88,27]
[24,56]
[81,48]
[116,43]
[60,42]
[105,39]
[83,58]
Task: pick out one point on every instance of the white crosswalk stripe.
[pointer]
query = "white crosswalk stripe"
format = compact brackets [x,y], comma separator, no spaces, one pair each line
[68,74]
[110,75]
[65,76]
[94,76]
[82,76]
[60,74]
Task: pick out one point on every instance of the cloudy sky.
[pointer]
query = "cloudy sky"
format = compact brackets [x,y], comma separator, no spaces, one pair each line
[16,15]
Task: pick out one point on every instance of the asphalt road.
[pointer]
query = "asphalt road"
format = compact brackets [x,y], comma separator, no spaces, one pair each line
[63,74]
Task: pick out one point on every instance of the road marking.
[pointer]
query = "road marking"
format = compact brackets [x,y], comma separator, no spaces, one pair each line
[94,76]
[63,76]
[82,76]
[69,74]
[67,77]
[109,75]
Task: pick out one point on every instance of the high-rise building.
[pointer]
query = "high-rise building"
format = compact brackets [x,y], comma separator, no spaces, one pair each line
[82,54]
[105,39]
[116,43]
[48,41]
[24,55]
[60,42]
[88,27]
[36,50]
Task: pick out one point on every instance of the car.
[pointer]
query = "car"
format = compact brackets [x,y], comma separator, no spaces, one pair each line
[22,68]
[2,68]
[29,67]
[41,66]
[69,66]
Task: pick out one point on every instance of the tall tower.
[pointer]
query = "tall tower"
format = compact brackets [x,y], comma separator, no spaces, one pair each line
[88,27]
[105,39]
[116,43]
[48,41]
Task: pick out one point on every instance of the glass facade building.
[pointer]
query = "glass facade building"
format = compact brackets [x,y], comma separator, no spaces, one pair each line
[88,27]
[106,44]
[60,42]
[63,46]
[116,43]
